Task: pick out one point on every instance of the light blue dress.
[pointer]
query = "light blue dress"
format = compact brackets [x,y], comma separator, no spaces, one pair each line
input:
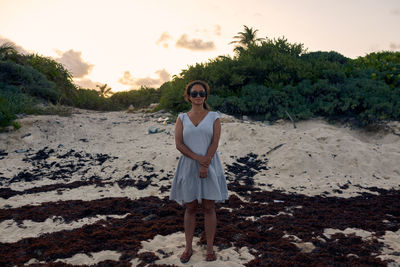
[187,185]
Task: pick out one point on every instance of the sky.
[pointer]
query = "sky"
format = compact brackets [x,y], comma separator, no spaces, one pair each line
[131,43]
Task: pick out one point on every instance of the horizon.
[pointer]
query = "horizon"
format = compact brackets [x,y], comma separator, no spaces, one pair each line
[128,44]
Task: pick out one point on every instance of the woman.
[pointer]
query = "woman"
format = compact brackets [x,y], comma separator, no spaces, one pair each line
[199,177]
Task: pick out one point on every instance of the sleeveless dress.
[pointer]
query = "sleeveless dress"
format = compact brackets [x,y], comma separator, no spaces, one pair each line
[187,185]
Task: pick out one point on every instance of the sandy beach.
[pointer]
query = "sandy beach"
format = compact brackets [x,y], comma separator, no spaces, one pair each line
[93,189]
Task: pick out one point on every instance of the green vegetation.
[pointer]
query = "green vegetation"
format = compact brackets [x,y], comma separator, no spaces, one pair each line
[265,79]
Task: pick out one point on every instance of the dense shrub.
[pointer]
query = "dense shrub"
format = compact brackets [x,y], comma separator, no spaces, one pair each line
[172,96]
[369,100]
[28,80]
[6,115]
[384,66]
[18,101]
[56,73]
[90,99]
[138,98]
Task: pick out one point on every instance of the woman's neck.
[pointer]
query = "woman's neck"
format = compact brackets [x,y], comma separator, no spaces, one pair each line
[198,109]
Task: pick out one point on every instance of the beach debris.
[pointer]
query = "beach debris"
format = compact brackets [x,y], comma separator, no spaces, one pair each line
[278,201]
[164,121]
[149,217]
[8,129]
[294,124]
[154,129]
[3,153]
[84,140]
[48,163]
[135,167]
[21,150]
[273,149]
[245,118]
[130,109]
[244,170]
[153,105]
[26,135]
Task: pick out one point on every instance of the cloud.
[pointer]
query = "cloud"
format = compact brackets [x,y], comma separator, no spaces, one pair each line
[163,40]
[194,44]
[86,83]
[128,79]
[73,61]
[394,46]
[19,48]
[217,30]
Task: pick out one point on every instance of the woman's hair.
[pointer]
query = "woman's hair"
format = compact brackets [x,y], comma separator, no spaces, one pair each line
[189,86]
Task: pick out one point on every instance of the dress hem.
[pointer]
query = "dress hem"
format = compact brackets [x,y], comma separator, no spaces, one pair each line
[182,202]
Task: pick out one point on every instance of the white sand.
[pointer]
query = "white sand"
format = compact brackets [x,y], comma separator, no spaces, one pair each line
[328,232]
[93,258]
[173,246]
[392,246]
[81,259]
[305,247]
[14,232]
[316,157]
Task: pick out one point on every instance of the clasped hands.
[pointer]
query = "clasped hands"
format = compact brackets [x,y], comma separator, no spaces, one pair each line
[204,163]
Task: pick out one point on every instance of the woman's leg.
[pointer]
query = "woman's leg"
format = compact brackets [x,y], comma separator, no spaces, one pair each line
[210,223]
[190,223]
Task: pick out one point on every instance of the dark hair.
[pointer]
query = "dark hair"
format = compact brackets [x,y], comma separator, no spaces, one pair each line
[193,83]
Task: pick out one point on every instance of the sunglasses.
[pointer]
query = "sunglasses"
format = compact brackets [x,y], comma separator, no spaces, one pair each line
[195,93]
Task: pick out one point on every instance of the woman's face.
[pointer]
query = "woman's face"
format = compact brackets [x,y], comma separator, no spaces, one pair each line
[198,99]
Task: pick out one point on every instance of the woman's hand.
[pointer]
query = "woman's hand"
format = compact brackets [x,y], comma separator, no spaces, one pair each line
[203,172]
[204,161]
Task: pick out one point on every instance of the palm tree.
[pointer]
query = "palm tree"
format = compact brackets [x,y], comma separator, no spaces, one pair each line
[104,91]
[7,49]
[246,38]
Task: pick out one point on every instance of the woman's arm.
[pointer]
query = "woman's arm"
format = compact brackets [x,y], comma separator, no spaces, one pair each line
[215,140]
[179,141]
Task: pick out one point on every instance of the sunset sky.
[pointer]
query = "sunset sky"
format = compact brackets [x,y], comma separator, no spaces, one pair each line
[145,42]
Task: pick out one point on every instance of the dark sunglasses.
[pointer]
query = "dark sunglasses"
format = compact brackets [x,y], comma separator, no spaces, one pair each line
[195,93]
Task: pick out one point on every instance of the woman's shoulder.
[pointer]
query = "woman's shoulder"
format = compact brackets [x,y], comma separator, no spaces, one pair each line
[180,115]
[215,114]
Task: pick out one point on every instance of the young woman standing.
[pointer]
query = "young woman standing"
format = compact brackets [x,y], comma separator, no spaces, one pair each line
[199,176]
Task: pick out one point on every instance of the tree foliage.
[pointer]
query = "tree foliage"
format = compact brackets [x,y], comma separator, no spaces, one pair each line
[269,78]
[104,90]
